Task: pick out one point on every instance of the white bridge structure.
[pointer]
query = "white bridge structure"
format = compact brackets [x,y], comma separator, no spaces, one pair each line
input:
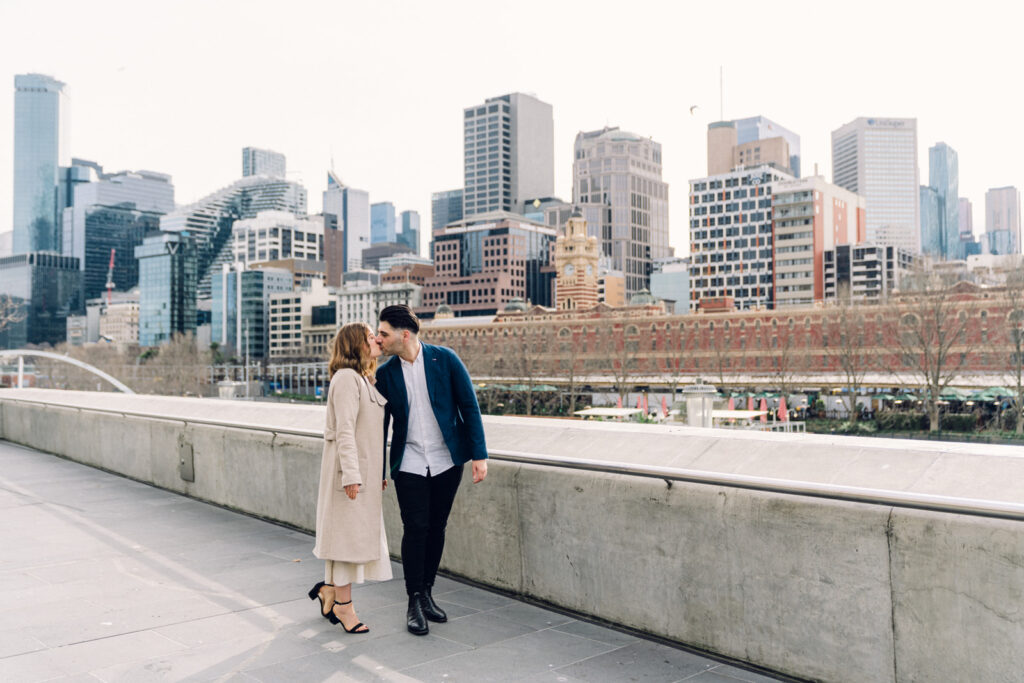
[21,354]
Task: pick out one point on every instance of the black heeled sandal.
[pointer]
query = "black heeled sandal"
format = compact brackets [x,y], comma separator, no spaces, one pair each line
[314,594]
[355,628]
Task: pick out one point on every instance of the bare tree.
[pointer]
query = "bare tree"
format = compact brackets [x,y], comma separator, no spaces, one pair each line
[929,330]
[618,351]
[1015,336]
[12,311]
[845,345]
[786,360]
[568,361]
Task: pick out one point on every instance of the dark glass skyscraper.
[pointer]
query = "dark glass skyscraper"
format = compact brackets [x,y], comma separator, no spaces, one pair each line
[39,103]
[46,288]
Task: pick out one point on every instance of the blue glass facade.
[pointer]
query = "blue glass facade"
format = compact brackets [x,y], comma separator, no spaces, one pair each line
[445,208]
[241,320]
[167,287]
[44,288]
[38,151]
[382,222]
[410,234]
[944,177]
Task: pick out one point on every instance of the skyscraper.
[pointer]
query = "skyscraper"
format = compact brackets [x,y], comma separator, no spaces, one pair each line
[445,208]
[759,128]
[731,236]
[45,288]
[262,162]
[167,287]
[346,227]
[618,187]
[1002,220]
[210,219]
[931,208]
[382,222]
[877,159]
[509,145]
[240,308]
[944,176]
[410,234]
[114,212]
[40,147]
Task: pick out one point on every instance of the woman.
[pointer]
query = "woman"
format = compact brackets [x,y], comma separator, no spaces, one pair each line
[349,519]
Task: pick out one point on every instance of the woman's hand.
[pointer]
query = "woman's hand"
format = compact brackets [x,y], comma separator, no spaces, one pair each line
[351,490]
[385,486]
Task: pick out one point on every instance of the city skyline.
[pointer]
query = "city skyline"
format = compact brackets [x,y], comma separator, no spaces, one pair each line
[134,106]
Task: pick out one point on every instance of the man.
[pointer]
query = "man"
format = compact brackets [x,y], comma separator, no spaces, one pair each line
[437,429]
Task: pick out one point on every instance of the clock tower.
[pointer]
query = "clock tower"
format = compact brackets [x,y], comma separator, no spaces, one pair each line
[576,257]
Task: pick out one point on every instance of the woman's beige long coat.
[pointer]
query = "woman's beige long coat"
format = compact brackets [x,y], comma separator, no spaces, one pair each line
[349,530]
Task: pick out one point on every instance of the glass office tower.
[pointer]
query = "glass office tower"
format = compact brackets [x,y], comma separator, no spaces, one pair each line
[445,208]
[45,289]
[944,176]
[40,105]
[167,287]
[410,234]
[382,222]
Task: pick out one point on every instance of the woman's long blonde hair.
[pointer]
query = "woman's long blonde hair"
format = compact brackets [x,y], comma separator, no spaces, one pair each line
[350,350]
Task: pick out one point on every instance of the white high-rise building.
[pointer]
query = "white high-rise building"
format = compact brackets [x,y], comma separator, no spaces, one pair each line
[877,159]
[1002,220]
[262,162]
[347,225]
[275,235]
[509,146]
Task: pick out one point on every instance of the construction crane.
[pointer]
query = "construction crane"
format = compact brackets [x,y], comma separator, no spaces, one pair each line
[110,275]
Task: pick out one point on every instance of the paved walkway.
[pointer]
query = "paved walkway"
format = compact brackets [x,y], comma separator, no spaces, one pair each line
[102,578]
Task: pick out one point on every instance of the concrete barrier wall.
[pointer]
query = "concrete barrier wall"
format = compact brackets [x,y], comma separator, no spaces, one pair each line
[814,588]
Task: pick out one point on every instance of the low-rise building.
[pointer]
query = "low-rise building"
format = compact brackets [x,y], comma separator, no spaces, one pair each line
[364,303]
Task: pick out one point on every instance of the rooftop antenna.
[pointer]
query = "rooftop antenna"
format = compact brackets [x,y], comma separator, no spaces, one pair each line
[721,95]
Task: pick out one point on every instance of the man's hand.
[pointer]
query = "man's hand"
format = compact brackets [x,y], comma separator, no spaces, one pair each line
[479,471]
[351,490]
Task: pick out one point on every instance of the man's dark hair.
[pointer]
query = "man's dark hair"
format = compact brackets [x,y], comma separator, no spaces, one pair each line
[400,317]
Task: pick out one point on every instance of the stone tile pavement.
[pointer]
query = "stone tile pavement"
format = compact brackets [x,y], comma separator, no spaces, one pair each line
[107,579]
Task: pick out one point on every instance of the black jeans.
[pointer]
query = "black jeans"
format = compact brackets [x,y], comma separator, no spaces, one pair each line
[425,503]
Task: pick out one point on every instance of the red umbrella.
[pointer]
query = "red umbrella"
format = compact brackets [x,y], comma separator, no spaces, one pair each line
[664,407]
[783,413]
[639,403]
[646,411]
[750,403]
[620,402]
[764,407]
[732,403]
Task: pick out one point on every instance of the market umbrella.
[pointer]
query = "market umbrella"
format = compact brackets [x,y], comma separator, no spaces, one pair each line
[664,407]
[764,406]
[646,411]
[619,405]
[545,387]
[732,404]
[783,413]
[750,403]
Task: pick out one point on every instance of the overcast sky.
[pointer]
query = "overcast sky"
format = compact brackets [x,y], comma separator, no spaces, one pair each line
[379,87]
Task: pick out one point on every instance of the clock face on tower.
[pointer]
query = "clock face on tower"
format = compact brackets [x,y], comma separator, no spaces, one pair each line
[590,270]
[570,269]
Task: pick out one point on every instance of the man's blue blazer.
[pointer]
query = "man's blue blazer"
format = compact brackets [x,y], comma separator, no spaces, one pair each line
[451,396]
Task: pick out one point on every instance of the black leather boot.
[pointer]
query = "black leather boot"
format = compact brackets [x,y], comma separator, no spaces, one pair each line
[416,620]
[431,609]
